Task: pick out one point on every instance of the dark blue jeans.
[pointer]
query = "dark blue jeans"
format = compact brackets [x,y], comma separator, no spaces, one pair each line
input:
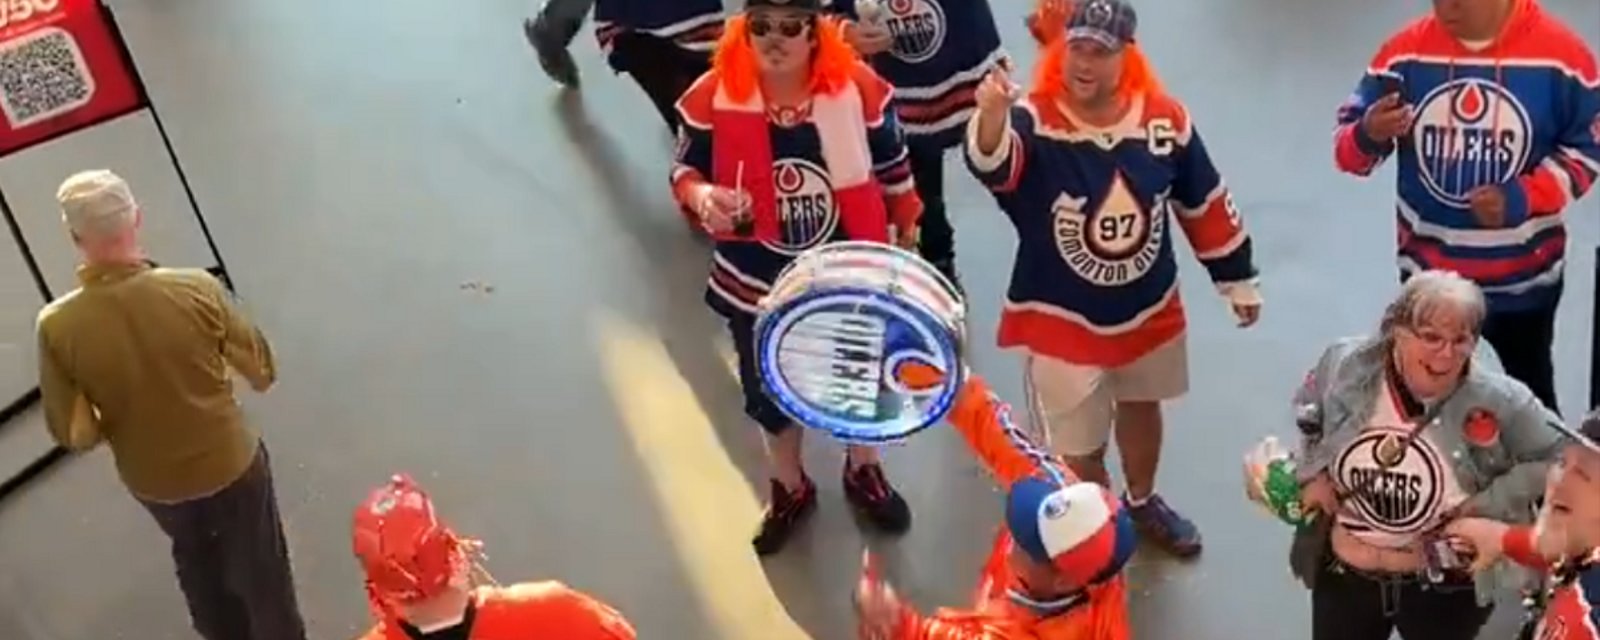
[232,560]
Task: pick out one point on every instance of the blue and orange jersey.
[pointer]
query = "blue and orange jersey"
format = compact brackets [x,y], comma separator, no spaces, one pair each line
[694,25]
[808,214]
[940,52]
[1095,280]
[1573,611]
[530,610]
[1521,112]
[1002,610]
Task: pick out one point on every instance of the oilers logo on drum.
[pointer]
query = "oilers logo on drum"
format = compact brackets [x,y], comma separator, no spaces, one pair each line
[862,365]
[1115,245]
[1469,133]
[918,28]
[807,212]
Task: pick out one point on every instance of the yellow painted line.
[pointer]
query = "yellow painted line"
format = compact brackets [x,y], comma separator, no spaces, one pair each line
[710,509]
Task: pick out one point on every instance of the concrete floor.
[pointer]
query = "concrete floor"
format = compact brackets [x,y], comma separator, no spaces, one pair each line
[360,161]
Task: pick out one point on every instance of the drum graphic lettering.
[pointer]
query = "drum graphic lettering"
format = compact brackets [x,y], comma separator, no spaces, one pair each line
[861,340]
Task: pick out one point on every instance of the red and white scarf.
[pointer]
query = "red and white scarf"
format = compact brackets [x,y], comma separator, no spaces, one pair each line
[743,136]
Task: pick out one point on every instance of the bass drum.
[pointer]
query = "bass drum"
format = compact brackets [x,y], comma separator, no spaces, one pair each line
[862,340]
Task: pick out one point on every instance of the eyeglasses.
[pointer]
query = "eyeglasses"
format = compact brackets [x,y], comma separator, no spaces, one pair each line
[763,26]
[1436,340]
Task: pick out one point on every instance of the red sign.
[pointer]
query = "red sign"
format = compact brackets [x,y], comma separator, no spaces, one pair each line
[63,67]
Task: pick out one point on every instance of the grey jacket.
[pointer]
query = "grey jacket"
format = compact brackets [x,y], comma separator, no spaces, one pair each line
[1504,478]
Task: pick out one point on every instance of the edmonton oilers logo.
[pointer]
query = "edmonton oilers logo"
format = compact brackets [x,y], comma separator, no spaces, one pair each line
[862,365]
[1469,133]
[807,212]
[918,28]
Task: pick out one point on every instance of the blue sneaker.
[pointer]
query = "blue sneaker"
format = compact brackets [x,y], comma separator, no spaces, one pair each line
[1160,524]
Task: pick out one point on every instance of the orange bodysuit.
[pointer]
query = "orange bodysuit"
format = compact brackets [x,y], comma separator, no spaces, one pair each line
[531,610]
[1002,611]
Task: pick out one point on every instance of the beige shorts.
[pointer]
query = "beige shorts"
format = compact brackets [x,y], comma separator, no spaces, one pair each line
[1073,406]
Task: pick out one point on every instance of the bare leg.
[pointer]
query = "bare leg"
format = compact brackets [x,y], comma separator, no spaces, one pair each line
[1090,468]
[783,454]
[858,455]
[1139,430]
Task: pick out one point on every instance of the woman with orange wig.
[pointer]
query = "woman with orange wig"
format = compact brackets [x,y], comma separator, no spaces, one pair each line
[1087,166]
[789,143]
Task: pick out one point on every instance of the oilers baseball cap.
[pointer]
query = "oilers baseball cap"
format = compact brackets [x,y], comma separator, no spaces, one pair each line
[798,5]
[1109,22]
[1080,528]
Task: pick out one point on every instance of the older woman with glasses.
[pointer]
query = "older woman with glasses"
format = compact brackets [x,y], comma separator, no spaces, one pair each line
[1404,432]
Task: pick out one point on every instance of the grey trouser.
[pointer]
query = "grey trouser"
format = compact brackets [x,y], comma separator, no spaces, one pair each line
[233,563]
[566,15]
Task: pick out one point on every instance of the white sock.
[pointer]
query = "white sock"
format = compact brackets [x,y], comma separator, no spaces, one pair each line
[1137,502]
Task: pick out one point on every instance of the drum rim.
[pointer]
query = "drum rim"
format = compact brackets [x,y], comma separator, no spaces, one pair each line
[951,342]
[947,286]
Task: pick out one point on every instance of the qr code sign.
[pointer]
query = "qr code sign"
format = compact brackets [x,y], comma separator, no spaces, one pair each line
[42,75]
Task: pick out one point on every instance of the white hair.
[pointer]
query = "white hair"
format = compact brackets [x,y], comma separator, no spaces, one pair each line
[96,203]
[1428,294]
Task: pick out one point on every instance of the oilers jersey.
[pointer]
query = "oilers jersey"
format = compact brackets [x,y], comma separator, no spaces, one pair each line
[1521,112]
[941,50]
[808,214]
[1095,281]
[694,25]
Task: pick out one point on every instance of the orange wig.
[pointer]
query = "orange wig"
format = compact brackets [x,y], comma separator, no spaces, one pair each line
[1138,76]
[832,62]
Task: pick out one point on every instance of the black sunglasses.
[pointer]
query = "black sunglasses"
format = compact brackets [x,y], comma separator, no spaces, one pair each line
[763,26]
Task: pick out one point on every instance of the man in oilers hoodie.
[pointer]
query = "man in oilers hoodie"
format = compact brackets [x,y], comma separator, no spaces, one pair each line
[1493,110]
[935,53]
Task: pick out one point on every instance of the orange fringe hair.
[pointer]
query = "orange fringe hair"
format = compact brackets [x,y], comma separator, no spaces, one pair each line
[1138,76]
[832,63]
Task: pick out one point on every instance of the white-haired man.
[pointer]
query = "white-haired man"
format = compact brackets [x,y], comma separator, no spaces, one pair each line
[139,356]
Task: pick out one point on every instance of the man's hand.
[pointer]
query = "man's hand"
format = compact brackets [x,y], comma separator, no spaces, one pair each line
[1244,299]
[879,610]
[1387,119]
[906,238]
[1488,204]
[1319,495]
[719,207]
[1483,535]
[1247,314]
[996,92]
[869,38]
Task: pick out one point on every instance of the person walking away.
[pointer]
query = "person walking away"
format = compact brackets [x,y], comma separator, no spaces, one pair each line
[935,68]
[1086,167]
[425,582]
[1492,111]
[139,356]
[664,45]
[550,33]
[789,143]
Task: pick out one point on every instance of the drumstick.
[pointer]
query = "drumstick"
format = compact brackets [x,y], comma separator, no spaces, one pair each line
[744,225]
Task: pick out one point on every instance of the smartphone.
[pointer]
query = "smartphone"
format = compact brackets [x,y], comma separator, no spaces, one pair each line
[1393,85]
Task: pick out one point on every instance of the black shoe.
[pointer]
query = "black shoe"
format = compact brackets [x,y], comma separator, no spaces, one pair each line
[875,499]
[552,50]
[785,511]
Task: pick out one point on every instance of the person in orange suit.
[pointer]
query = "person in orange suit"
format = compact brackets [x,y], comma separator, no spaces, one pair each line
[1055,572]
[425,582]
